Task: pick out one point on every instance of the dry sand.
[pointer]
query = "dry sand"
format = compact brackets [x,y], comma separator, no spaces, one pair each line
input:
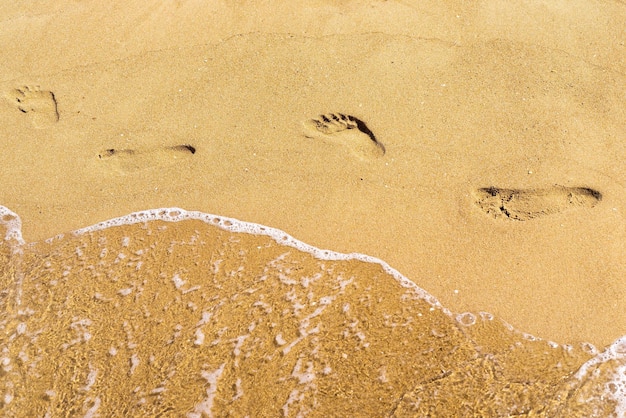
[476,149]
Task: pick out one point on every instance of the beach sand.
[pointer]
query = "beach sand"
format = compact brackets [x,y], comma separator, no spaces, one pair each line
[477,150]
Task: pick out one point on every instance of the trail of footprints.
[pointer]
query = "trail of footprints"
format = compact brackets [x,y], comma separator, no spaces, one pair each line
[525,204]
[41,107]
[501,203]
[347,130]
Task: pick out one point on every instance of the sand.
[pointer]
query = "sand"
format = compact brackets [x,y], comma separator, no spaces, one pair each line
[475,149]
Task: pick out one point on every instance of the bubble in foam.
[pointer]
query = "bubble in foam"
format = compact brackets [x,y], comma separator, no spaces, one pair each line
[486,316]
[589,348]
[466,319]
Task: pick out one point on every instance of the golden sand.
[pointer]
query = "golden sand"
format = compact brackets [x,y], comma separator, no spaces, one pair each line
[472,118]
[477,149]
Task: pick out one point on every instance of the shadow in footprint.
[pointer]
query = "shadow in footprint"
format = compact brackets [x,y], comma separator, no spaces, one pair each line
[40,105]
[183,149]
[129,160]
[348,130]
[525,204]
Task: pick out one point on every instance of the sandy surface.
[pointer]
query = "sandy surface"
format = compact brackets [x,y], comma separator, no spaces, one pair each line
[462,99]
[476,149]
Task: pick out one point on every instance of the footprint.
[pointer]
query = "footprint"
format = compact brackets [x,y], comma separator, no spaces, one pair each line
[348,130]
[525,204]
[130,160]
[39,104]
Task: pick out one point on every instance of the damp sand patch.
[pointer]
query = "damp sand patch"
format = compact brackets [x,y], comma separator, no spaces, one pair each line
[168,311]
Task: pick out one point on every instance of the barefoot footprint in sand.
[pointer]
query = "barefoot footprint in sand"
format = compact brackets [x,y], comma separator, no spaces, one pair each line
[39,104]
[130,160]
[347,130]
[525,204]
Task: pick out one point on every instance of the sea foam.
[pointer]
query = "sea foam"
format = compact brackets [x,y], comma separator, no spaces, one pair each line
[12,224]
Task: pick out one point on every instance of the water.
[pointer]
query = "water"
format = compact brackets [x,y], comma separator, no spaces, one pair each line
[190,314]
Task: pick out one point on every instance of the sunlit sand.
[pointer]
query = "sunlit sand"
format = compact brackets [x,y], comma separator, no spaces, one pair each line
[474,153]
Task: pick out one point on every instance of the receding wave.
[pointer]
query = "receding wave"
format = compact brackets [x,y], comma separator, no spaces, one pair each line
[173,313]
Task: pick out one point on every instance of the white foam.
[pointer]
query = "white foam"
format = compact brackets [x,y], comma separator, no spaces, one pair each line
[92,412]
[91,379]
[157,391]
[589,348]
[238,344]
[13,225]
[199,337]
[619,393]
[134,362]
[206,406]
[303,376]
[125,292]
[206,317]
[280,341]
[616,351]
[178,282]
[615,388]
[238,389]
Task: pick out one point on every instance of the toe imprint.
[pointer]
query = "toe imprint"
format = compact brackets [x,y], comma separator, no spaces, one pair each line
[337,126]
[41,105]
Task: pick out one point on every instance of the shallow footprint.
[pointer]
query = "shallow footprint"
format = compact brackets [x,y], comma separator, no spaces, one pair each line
[525,204]
[348,130]
[130,160]
[39,104]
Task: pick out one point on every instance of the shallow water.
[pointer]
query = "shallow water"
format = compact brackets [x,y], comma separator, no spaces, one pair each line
[184,313]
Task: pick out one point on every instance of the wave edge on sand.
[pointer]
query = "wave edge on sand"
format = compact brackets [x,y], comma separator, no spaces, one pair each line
[602,374]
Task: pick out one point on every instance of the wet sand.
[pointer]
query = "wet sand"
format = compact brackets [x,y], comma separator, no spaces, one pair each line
[196,317]
[481,160]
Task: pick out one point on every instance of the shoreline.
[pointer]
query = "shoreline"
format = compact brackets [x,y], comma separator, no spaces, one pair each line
[148,263]
[11,221]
